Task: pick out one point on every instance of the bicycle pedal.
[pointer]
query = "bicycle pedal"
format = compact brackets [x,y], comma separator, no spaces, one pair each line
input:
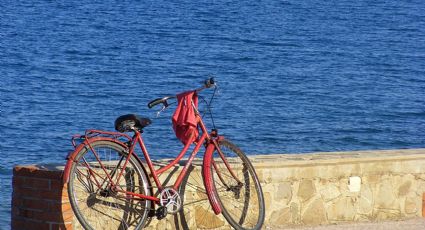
[152,213]
[161,213]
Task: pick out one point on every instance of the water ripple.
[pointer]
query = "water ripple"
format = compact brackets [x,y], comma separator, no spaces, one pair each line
[294,76]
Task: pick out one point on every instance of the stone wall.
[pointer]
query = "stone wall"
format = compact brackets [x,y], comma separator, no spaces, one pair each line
[315,189]
[300,189]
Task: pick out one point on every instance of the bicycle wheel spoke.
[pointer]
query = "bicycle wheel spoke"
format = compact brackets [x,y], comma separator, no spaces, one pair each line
[80,178]
[238,188]
[116,210]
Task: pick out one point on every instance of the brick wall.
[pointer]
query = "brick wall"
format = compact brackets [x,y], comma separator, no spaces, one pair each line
[39,199]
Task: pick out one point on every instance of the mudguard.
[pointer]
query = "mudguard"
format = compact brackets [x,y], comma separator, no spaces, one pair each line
[71,156]
[208,179]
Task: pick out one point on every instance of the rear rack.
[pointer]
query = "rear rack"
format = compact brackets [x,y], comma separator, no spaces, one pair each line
[91,133]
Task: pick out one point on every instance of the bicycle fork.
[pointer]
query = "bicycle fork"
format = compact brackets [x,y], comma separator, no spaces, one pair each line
[208,177]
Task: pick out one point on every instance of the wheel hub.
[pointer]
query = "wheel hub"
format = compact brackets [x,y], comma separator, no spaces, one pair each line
[107,192]
[236,189]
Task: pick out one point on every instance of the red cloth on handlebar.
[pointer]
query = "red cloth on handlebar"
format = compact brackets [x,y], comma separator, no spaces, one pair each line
[184,118]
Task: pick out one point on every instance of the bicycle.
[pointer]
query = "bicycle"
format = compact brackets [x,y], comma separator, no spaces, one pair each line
[109,184]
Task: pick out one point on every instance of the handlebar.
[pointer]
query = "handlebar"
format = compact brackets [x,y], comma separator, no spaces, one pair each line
[159,101]
[207,84]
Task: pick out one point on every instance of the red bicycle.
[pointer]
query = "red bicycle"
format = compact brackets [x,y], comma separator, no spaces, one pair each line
[110,186]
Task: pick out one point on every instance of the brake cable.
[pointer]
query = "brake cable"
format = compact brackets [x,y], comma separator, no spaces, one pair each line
[208,104]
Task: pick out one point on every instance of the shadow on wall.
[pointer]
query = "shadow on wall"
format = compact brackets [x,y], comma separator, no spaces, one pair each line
[196,212]
[40,201]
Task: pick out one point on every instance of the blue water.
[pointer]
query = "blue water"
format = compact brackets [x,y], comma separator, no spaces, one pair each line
[293,76]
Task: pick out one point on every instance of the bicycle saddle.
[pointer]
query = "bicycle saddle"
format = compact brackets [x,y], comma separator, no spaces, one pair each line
[129,122]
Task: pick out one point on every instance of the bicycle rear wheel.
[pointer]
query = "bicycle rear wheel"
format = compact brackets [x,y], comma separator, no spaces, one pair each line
[96,203]
[237,187]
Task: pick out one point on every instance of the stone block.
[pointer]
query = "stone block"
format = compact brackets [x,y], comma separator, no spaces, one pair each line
[283,194]
[329,192]
[314,213]
[421,187]
[295,212]
[306,190]
[342,209]
[268,200]
[281,217]
[385,197]
[404,188]
[343,186]
[410,205]
[206,219]
[365,201]
[386,214]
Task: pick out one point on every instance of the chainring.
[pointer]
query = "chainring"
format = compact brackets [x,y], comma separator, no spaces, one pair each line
[171,199]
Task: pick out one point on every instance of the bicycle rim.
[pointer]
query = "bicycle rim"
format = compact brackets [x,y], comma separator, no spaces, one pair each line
[241,199]
[197,211]
[95,204]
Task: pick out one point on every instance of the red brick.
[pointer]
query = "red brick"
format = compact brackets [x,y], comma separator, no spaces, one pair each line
[42,216]
[40,194]
[36,183]
[16,201]
[35,204]
[15,211]
[57,185]
[25,224]
[49,216]
[66,207]
[67,215]
[18,182]
[65,199]
[59,207]
[30,183]
[55,206]
[40,199]
[34,171]
[26,193]
[61,226]
[26,213]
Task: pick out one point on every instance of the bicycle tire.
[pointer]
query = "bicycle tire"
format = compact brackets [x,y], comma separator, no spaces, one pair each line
[99,208]
[196,209]
[242,205]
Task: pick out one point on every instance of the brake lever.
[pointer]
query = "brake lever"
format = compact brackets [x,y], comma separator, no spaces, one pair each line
[160,111]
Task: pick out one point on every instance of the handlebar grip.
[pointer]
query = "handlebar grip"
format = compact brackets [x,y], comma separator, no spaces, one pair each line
[159,101]
[155,102]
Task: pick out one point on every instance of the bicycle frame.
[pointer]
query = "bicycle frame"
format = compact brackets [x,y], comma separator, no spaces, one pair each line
[209,139]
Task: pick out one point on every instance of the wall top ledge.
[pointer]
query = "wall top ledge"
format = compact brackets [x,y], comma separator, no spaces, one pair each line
[303,159]
[348,157]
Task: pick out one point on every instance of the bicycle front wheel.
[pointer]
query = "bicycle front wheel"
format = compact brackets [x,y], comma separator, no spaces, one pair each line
[237,187]
[96,202]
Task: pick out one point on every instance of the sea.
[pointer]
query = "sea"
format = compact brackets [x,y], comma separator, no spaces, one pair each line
[293,76]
